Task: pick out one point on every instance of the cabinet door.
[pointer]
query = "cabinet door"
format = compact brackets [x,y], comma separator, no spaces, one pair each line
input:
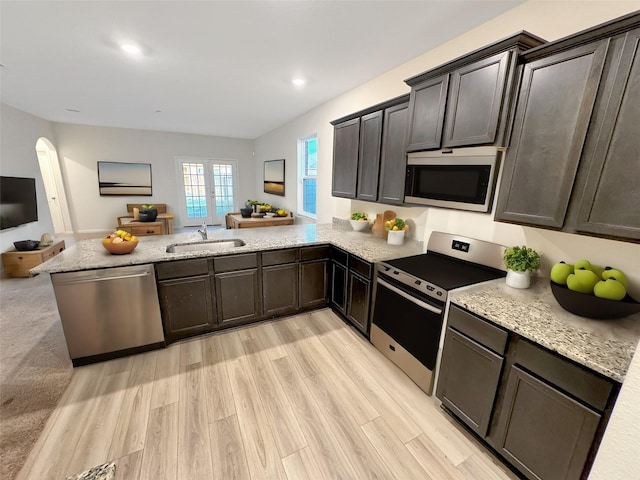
[475,101]
[187,306]
[469,378]
[610,199]
[339,287]
[238,296]
[393,158]
[426,113]
[369,156]
[359,298]
[280,289]
[551,120]
[313,284]
[346,142]
[543,432]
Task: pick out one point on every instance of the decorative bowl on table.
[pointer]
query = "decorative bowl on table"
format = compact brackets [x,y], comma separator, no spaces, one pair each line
[359,225]
[590,306]
[246,212]
[269,214]
[26,245]
[257,215]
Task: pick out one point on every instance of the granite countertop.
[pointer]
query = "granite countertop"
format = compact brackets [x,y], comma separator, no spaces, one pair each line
[90,254]
[606,346]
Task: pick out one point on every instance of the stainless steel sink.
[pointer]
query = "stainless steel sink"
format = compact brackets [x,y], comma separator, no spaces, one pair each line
[210,246]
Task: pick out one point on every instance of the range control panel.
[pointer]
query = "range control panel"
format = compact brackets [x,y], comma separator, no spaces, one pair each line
[460,246]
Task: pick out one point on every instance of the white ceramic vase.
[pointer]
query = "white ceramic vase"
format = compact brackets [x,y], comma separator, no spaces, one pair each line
[395,237]
[518,279]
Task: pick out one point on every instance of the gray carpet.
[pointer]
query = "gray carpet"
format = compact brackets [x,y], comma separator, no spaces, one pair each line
[34,366]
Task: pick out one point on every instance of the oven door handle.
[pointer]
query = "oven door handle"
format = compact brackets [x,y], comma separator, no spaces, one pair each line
[418,302]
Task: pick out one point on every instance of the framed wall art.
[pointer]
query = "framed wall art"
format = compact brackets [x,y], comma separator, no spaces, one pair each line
[119,178]
[274,177]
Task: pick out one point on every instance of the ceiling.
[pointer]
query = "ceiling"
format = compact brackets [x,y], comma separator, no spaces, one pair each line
[211,67]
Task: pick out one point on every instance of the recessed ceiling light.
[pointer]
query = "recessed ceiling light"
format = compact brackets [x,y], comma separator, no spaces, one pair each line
[298,81]
[131,49]
[73,110]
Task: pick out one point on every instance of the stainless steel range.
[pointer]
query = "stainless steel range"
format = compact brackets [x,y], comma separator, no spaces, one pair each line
[411,294]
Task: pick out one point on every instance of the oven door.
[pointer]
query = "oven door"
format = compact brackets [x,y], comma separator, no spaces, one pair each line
[406,329]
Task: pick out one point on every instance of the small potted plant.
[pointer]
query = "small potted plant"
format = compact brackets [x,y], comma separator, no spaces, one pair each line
[520,262]
[395,231]
[147,213]
[359,221]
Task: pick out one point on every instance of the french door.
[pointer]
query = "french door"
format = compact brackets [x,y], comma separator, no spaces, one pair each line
[207,190]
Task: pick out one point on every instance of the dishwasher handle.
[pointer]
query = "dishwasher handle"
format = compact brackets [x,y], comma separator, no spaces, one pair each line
[107,274]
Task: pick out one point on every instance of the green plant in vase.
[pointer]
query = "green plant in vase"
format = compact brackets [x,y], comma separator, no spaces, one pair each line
[520,262]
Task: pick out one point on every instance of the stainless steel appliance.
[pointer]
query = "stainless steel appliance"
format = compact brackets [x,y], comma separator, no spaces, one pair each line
[411,294]
[110,312]
[463,179]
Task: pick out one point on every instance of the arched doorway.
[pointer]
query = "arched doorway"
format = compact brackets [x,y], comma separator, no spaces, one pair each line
[53,185]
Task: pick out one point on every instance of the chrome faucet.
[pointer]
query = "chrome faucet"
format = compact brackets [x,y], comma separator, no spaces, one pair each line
[203,231]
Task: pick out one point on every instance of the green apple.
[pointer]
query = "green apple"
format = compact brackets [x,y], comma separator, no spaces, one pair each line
[560,272]
[582,281]
[582,265]
[610,289]
[586,265]
[616,275]
[597,270]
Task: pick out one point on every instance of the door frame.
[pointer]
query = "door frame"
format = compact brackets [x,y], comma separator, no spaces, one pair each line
[49,165]
[207,162]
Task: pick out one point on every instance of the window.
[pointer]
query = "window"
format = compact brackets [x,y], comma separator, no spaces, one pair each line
[307,172]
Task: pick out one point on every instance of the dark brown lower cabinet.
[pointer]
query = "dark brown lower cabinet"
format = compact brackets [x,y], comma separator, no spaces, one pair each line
[339,287]
[313,283]
[543,432]
[469,380]
[185,291]
[187,306]
[280,289]
[541,412]
[359,296]
[351,288]
[238,296]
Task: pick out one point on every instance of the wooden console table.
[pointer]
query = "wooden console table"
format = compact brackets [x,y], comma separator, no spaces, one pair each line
[18,264]
[163,225]
[238,222]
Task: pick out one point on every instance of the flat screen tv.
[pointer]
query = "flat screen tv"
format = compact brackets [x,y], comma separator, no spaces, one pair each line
[18,203]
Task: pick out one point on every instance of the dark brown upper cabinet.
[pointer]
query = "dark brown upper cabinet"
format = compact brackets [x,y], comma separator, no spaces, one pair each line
[552,117]
[394,159]
[475,101]
[466,101]
[369,156]
[426,113]
[573,162]
[358,147]
[611,195]
[346,145]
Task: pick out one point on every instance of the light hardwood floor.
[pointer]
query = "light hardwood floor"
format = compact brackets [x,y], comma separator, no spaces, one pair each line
[304,397]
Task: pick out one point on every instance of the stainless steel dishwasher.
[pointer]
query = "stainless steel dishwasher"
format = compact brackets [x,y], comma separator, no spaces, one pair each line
[109,312]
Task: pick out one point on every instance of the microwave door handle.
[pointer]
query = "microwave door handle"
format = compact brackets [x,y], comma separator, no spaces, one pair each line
[418,302]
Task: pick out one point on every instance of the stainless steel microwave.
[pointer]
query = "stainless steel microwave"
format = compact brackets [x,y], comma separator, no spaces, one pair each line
[464,179]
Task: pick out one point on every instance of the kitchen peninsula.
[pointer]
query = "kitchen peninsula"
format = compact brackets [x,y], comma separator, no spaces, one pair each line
[90,254]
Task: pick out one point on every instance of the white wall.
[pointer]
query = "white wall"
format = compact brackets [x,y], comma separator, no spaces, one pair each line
[80,147]
[620,449]
[19,132]
[549,20]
